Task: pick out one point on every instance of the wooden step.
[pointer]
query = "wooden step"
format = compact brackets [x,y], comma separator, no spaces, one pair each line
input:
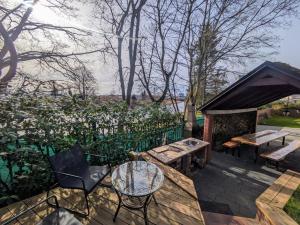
[222,219]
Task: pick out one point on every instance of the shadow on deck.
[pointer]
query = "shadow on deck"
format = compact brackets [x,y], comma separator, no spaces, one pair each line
[177,204]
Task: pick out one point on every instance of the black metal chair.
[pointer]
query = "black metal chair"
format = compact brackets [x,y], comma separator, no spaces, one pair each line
[58,217]
[72,171]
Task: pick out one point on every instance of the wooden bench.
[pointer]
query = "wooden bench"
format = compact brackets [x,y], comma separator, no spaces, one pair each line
[280,154]
[271,202]
[232,145]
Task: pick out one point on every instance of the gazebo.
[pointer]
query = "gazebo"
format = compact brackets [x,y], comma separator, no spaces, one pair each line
[234,111]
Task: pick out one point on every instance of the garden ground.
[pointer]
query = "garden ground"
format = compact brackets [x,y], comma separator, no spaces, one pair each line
[282,121]
[293,206]
[230,185]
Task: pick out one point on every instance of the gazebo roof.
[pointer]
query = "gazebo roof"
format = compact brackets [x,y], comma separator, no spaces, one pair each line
[268,82]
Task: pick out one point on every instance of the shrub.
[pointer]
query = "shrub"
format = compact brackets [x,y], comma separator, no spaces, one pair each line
[32,128]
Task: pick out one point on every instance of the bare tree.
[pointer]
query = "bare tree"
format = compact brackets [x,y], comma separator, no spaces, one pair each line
[205,39]
[83,81]
[232,32]
[51,46]
[215,82]
[122,18]
[32,85]
[159,53]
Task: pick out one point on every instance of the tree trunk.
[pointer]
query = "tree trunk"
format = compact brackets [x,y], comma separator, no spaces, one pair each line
[13,62]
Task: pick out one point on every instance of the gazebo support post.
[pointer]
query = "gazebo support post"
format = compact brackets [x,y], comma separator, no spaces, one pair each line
[208,134]
[191,122]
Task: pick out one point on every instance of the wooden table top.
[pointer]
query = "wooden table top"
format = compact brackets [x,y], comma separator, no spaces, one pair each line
[172,152]
[259,138]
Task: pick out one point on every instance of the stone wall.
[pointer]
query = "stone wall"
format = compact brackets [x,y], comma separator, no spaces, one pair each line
[227,126]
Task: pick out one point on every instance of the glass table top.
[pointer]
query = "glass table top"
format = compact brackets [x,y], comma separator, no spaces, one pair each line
[137,178]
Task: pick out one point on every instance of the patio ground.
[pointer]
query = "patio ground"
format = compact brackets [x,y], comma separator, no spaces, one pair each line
[230,185]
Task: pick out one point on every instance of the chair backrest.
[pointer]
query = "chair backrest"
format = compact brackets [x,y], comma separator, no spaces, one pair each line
[69,161]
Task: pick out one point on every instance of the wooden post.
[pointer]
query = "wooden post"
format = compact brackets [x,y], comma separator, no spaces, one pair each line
[255,123]
[208,134]
[191,122]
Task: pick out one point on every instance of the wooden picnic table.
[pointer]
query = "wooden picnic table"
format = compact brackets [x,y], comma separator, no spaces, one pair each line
[260,138]
[171,153]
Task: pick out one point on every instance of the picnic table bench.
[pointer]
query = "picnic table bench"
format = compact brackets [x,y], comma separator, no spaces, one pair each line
[232,145]
[260,138]
[280,154]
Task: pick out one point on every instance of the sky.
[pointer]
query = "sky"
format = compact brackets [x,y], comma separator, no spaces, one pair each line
[288,50]
[289,46]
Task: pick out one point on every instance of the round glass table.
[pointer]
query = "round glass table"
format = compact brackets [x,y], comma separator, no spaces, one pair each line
[135,183]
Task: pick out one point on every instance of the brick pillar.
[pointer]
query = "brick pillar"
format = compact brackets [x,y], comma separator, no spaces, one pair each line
[208,134]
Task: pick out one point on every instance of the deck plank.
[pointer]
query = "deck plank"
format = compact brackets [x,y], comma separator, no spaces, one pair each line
[178,178]
[274,215]
[42,210]
[5,214]
[177,205]
[285,193]
[170,209]
[269,194]
[168,186]
[28,218]
[173,197]
[168,212]
[185,184]
[125,216]
[112,198]
[74,200]
[271,203]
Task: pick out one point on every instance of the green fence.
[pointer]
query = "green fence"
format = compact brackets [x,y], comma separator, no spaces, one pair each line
[116,146]
[24,170]
[200,120]
[32,128]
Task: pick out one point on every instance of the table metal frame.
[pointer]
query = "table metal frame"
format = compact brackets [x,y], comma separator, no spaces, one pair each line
[143,207]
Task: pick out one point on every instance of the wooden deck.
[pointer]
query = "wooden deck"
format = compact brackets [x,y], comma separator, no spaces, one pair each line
[177,204]
[271,202]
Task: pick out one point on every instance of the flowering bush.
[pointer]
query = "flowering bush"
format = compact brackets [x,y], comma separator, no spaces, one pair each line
[32,128]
